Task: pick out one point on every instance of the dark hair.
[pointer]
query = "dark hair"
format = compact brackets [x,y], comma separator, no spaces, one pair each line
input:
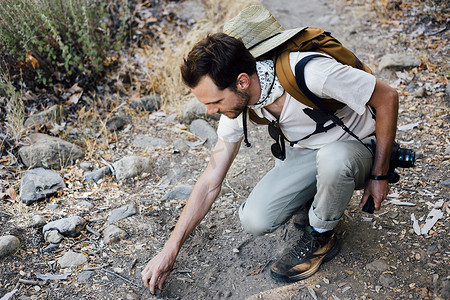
[220,56]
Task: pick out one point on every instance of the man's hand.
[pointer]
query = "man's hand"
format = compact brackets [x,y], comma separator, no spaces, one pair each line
[157,270]
[378,189]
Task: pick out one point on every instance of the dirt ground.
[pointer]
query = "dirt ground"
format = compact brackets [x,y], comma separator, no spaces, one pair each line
[381,257]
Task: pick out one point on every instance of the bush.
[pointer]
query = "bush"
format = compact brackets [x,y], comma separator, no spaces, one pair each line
[59,40]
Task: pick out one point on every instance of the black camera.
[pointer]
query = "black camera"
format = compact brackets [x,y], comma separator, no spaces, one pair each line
[400,157]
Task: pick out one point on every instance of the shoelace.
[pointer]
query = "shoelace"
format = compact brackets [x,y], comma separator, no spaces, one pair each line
[305,245]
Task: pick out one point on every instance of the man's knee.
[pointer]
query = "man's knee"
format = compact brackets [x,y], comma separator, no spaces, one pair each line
[334,159]
[254,222]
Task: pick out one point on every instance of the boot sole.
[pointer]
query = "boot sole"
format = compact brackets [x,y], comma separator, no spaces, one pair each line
[327,257]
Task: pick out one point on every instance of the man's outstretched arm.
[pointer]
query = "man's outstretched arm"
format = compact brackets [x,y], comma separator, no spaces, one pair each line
[202,197]
[385,101]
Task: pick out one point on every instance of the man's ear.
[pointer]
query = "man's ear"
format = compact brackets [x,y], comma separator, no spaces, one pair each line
[243,81]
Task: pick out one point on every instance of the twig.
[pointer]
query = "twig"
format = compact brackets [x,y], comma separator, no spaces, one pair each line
[30,282]
[89,229]
[121,277]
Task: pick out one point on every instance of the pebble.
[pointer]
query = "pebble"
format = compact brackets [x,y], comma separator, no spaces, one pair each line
[53,236]
[179,192]
[377,265]
[112,234]
[70,226]
[132,166]
[120,213]
[9,244]
[85,275]
[38,221]
[204,131]
[72,259]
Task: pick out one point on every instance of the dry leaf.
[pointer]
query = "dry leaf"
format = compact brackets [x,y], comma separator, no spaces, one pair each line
[31,60]
[11,192]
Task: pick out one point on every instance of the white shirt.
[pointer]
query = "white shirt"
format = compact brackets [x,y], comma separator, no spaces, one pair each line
[326,78]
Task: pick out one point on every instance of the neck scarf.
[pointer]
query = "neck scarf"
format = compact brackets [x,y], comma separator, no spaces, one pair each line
[271,88]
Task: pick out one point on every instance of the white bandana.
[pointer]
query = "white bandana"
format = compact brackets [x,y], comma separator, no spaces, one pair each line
[271,88]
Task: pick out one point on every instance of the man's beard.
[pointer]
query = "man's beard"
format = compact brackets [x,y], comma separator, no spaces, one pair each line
[244,98]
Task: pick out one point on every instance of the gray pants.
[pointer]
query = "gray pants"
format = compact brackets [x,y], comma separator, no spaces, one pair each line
[329,174]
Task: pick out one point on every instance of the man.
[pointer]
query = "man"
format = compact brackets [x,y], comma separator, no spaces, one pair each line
[327,165]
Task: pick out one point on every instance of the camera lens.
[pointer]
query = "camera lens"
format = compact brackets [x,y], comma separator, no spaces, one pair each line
[406,158]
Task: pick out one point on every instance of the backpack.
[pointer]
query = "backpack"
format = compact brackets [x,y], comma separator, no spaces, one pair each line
[310,39]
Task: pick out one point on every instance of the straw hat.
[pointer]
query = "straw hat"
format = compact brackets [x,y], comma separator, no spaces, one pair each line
[258,29]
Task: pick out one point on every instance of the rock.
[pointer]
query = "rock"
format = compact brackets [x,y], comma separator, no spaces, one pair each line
[97,174]
[85,275]
[116,123]
[398,61]
[38,184]
[85,166]
[179,192]
[70,226]
[194,109]
[113,234]
[72,259]
[49,152]
[447,151]
[145,141]
[445,291]
[54,114]
[377,265]
[188,10]
[180,144]
[131,166]
[445,183]
[121,213]
[204,131]
[50,248]
[9,244]
[386,280]
[147,103]
[53,236]
[420,92]
[38,221]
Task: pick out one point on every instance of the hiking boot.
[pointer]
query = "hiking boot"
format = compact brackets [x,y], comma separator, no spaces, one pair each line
[306,256]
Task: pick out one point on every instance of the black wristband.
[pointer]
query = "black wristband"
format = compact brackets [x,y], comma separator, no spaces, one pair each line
[377,177]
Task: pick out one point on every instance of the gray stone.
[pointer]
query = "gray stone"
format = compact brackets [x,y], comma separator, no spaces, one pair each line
[445,291]
[50,248]
[85,166]
[377,265]
[116,123]
[188,10]
[180,144]
[72,259]
[121,213]
[53,236]
[398,61]
[38,221]
[386,280]
[38,184]
[179,192]
[70,226]
[54,114]
[113,234]
[98,174]
[131,166]
[204,131]
[420,92]
[445,183]
[447,151]
[147,103]
[49,152]
[9,244]
[85,275]
[145,141]
[194,109]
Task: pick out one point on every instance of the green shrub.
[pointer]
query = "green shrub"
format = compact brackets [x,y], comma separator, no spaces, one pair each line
[59,40]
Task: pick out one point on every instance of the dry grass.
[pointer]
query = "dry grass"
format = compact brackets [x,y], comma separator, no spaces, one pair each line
[166,57]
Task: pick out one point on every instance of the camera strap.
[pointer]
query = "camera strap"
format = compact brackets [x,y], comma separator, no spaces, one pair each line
[300,79]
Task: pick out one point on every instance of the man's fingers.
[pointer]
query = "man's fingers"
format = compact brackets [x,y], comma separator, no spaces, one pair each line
[162,280]
[152,283]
